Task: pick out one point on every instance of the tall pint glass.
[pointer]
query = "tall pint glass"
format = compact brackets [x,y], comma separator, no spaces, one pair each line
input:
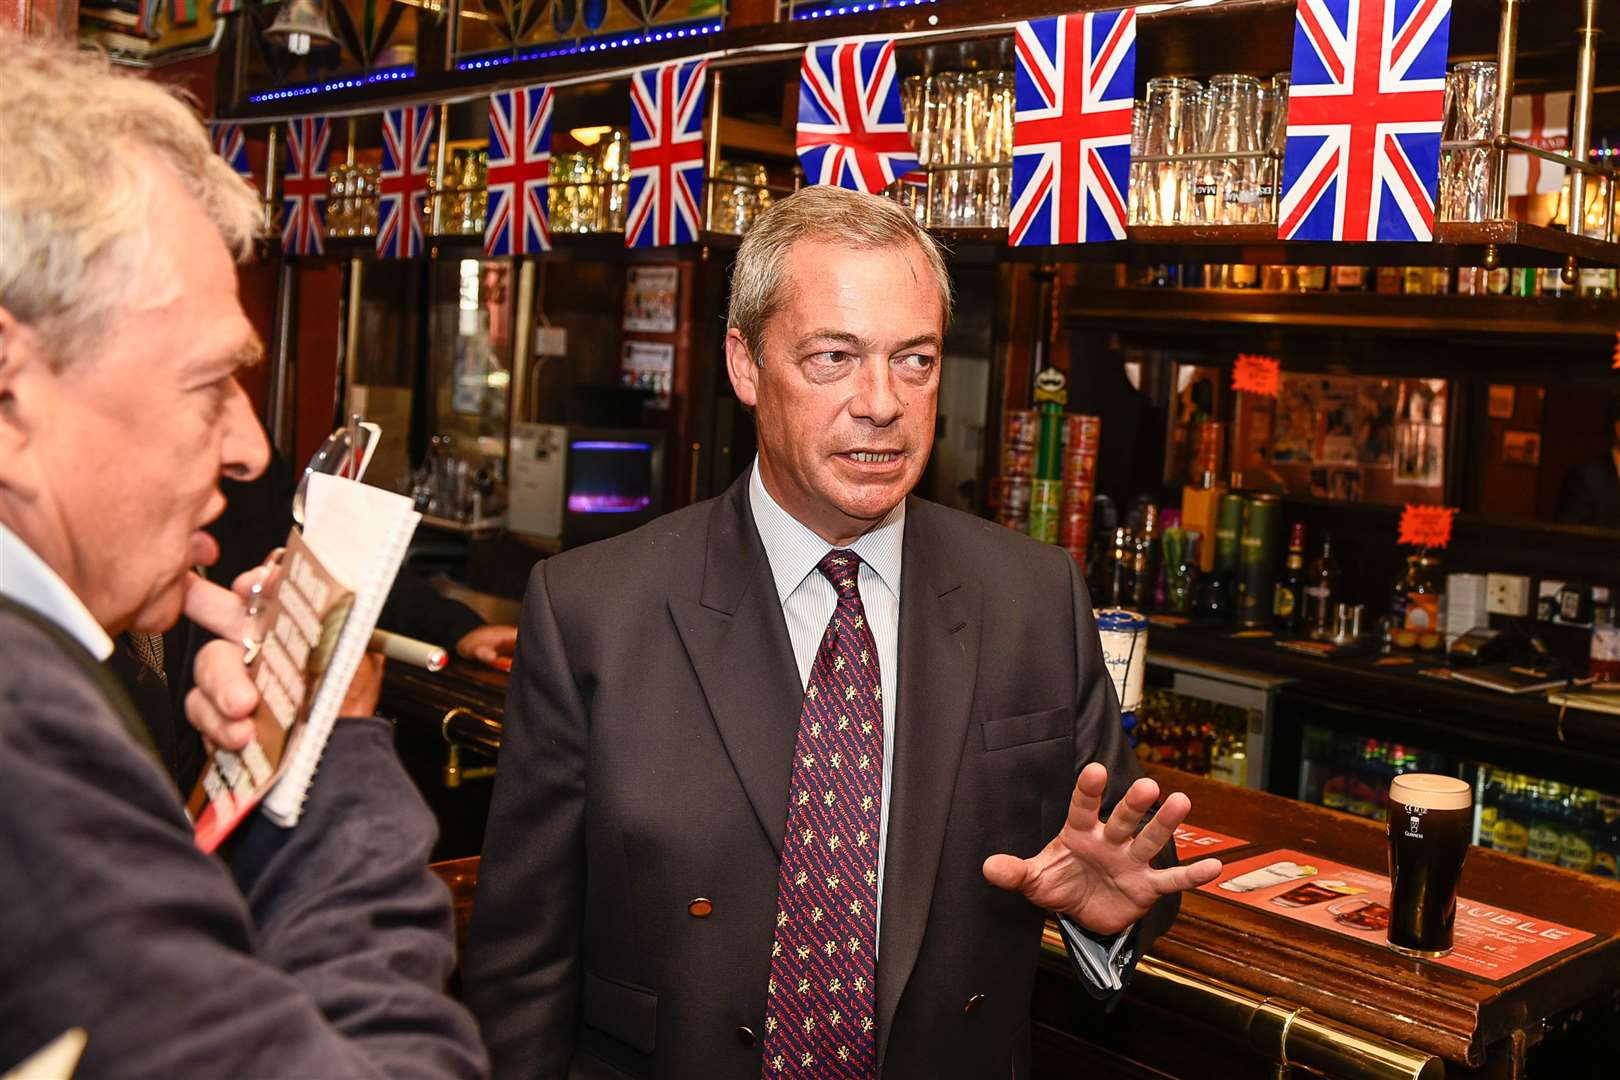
[1430,818]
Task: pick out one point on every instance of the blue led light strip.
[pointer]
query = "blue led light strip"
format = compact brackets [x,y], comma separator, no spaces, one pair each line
[381,75]
[833,8]
[685,32]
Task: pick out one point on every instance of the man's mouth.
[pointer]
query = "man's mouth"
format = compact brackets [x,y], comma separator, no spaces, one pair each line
[873,457]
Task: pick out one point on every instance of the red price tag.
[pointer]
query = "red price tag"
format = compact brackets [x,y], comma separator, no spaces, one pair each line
[1426,526]
[1256,374]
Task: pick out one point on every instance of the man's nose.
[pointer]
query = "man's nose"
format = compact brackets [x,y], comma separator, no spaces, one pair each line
[876,397]
[244,453]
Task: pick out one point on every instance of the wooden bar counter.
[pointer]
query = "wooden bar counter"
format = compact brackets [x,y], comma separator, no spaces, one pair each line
[1478,1027]
[1229,984]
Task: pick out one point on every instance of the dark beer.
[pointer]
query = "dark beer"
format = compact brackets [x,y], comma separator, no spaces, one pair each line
[1430,818]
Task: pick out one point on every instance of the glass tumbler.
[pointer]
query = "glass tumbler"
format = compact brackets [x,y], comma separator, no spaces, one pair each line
[995,152]
[1467,173]
[1172,129]
[1228,190]
[948,91]
[1139,169]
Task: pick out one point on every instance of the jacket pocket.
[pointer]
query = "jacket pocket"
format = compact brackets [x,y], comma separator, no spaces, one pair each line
[625,1012]
[1008,731]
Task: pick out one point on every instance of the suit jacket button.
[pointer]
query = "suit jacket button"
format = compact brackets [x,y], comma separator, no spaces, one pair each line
[745,1035]
[700,907]
[972,1003]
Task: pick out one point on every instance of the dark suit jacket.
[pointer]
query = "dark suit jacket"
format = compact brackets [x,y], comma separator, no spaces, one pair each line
[649,733]
[1590,494]
[318,951]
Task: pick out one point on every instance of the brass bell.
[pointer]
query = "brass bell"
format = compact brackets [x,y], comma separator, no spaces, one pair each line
[299,23]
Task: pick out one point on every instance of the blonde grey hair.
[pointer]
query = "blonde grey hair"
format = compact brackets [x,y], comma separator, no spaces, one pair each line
[77,198]
[819,214]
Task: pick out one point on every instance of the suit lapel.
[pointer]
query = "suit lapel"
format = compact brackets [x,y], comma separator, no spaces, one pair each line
[736,638]
[939,656]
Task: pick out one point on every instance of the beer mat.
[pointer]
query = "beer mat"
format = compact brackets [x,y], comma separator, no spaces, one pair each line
[1251,634]
[1436,672]
[1489,942]
[1193,842]
[1393,661]
[1168,622]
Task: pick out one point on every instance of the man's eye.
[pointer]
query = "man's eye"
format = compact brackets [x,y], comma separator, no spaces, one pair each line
[915,363]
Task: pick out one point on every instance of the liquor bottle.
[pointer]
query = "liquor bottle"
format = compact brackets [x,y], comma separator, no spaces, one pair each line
[1350,278]
[1311,278]
[1390,279]
[1244,276]
[1143,563]
[1287,602]
[1321,589]
[1552,282]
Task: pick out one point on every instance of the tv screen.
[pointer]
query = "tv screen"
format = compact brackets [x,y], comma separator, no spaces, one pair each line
[610,476]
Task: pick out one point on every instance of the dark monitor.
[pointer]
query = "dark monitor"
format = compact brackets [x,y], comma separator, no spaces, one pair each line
[615,481]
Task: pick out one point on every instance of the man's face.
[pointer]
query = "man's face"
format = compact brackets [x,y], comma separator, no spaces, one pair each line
[845,399]
[122,450]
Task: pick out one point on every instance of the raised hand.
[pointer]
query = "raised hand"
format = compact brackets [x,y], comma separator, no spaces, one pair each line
[1101,874]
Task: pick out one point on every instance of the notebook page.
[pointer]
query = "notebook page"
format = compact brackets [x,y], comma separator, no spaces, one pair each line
[360,533]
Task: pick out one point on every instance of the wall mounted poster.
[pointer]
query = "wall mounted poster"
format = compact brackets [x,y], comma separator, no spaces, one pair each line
[1491,942]
[650,294]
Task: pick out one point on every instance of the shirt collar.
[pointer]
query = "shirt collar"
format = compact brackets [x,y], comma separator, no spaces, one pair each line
[793,549]
[27,579]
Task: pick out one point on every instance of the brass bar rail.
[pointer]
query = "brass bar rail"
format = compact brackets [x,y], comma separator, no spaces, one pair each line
[1286,1033]
[464,729]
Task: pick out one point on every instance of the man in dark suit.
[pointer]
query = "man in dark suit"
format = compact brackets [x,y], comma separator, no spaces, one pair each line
[1590,494]
[770,762]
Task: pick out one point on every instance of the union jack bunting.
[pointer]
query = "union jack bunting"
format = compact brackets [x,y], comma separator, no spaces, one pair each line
[519,221]
[402,183]
[1363,155]
[852,127]
[1072,128]
[227,7]
[666,154]
[231,144]
[304,187]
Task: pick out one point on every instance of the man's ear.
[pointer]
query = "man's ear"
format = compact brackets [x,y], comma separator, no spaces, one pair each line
[742,369]
[19,357]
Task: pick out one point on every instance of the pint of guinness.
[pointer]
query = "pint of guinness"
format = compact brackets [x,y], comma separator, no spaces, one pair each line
[1430,819]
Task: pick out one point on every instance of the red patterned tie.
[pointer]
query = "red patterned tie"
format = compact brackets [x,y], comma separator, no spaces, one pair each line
[820,1015]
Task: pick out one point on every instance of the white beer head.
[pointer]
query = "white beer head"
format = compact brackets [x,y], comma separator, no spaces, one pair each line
[1420,792]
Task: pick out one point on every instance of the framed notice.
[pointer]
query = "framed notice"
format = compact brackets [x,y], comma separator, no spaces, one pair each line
[1490,942]
[650,293]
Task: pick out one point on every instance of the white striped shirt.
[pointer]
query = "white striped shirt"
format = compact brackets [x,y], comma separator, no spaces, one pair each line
[808,601]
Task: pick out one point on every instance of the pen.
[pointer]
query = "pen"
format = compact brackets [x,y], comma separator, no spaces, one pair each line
[408,650]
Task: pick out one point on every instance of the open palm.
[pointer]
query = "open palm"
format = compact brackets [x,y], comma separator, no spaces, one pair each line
[1100,874]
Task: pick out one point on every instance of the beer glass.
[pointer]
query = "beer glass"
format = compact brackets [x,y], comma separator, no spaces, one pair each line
[1430,817]
[1228,189]
[1468,173]
[1173,124]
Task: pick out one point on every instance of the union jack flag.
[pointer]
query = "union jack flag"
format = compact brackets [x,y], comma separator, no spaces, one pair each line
[402,183]
[227,7]
[852,127]
[231,144]
[1363,155]
[1072,128]
[666,154]
[519,221]
[304,187]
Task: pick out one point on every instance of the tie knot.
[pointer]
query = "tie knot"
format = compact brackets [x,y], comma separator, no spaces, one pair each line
[843,568]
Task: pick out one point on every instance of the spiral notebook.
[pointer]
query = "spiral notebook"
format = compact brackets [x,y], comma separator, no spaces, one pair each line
[322,611]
